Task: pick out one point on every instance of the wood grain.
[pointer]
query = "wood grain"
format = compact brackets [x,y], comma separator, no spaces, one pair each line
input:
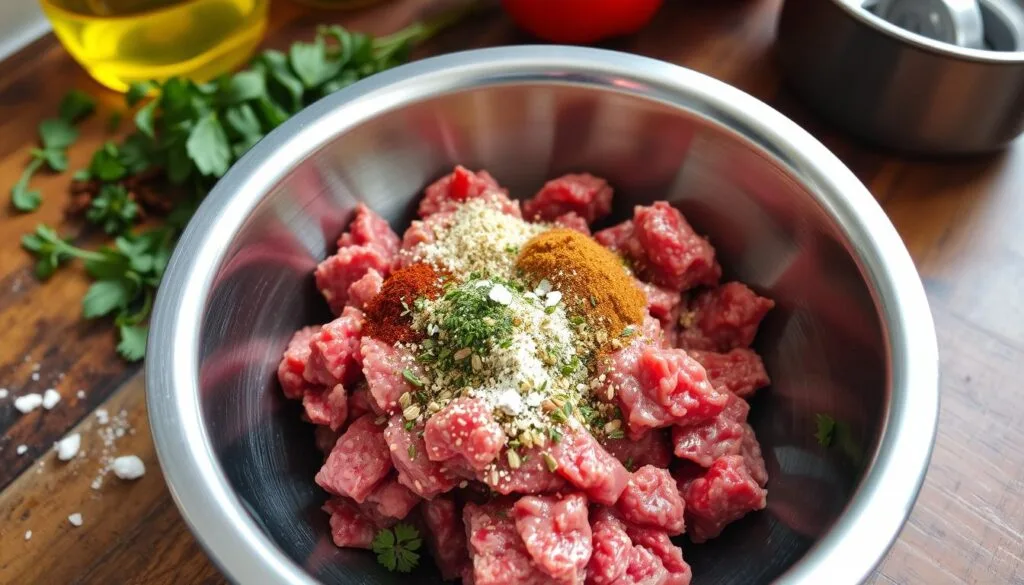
[959,218]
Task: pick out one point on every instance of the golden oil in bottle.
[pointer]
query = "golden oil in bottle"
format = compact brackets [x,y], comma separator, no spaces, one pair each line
[121,41]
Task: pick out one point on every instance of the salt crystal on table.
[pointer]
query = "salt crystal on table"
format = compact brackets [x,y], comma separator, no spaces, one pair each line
[21,449]
[75,519]
[27,403]
[50,398]
[80,394]
[67,447]
[129,467]
[3,393]
[102,416]
[28,535]
[35,376]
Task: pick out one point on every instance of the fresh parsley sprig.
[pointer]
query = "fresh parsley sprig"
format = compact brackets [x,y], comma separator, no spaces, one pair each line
[396,548]
[186,134]
[831,433]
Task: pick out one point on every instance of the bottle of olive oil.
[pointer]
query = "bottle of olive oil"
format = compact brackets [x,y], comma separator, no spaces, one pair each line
[121,41]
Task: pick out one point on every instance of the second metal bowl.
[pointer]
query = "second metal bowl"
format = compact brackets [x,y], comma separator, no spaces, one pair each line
[902,90]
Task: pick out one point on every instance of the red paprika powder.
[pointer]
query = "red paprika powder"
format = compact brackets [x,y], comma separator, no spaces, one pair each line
[387,314]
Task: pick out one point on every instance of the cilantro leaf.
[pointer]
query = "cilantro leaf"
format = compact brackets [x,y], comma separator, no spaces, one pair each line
[395,547]
[55,158]
[76,105]
[49,248]
[244,86]
[106,296]
[113,209]
[106,164]
[57,133]
[826,425]
[208,148]
[137,91]
[311,64]
[114,121]
[22,198]
[133,342]
[144,118]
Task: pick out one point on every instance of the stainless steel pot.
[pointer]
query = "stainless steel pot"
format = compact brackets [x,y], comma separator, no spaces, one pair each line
[851,337]
[901,90]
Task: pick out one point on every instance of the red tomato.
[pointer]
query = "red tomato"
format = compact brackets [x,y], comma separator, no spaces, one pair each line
[581,21]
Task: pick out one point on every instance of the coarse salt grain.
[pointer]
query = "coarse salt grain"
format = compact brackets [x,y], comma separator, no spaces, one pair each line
[21,450]
[129,467]
[554,297]
[50,398]
[68,447]
[27,403]
[75,519]
[28,535]
[80,394]
[509,402]
[102,416]
[3,393]
[35,376]
[500,294]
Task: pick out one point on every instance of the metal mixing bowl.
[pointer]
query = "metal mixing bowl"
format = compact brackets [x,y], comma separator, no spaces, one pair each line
[899,89]
[851,335]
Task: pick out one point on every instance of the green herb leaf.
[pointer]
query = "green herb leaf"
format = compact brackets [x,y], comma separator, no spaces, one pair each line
[106,164]
[310,62]
[114,121]
[22,198]
[412,378]
[144,119]
[55,158]
[106,296]
[75,106]
[137,91]
[395,547]
[133,342]
[113,209]
[208,148]
[49,249]
[826,425]
[244,86]
[58,133]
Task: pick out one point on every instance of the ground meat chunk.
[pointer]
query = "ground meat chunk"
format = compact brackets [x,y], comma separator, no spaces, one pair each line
[531,477]
[358,462]
[661,546]
[496,550]
[651,499]
[365,289]
[464,428]
[334,350]
[679,384]
[613,548]
[460,186]
[584,463]
[325,438]
[674,255]
[329,408]
[293,363]
[740,371]
[360,403]
[369,229]
[654,448]
[556,532]
[706,441]
[722,495]
[662,303]
[383,365]
[350,528]
[446,536]
[390,501]
[409,454]
[723,318]
[572,221]
[585,195]
[337,273]
[750,449]
[618,238]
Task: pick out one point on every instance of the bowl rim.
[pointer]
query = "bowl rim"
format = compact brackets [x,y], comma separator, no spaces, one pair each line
[856,11]
[879,507]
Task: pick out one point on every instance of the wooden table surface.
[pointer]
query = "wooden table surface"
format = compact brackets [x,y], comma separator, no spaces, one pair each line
[960,219]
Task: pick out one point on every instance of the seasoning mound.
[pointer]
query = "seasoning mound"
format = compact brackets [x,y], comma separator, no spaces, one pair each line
[388,313]
[591,278]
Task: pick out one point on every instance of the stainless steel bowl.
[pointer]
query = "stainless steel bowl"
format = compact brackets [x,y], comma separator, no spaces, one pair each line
[902,90]
[851,337]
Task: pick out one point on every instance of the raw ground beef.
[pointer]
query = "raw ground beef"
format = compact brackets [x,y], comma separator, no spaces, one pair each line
[337,273]
[654,448]
[293,364]
[446,536]
[333,350]
[464,429]
[359,460]
[409,454]
[350,528]
[496,550]
[739,371]
[608,511]
[725,493]
[723,318]
[462,185]
[651,499]
[587,196]
[556,532]
[663,249]
[382,366]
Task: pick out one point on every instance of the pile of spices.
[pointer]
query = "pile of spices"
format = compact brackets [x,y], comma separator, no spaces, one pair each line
[389,314]
[478,239]
[595,282]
